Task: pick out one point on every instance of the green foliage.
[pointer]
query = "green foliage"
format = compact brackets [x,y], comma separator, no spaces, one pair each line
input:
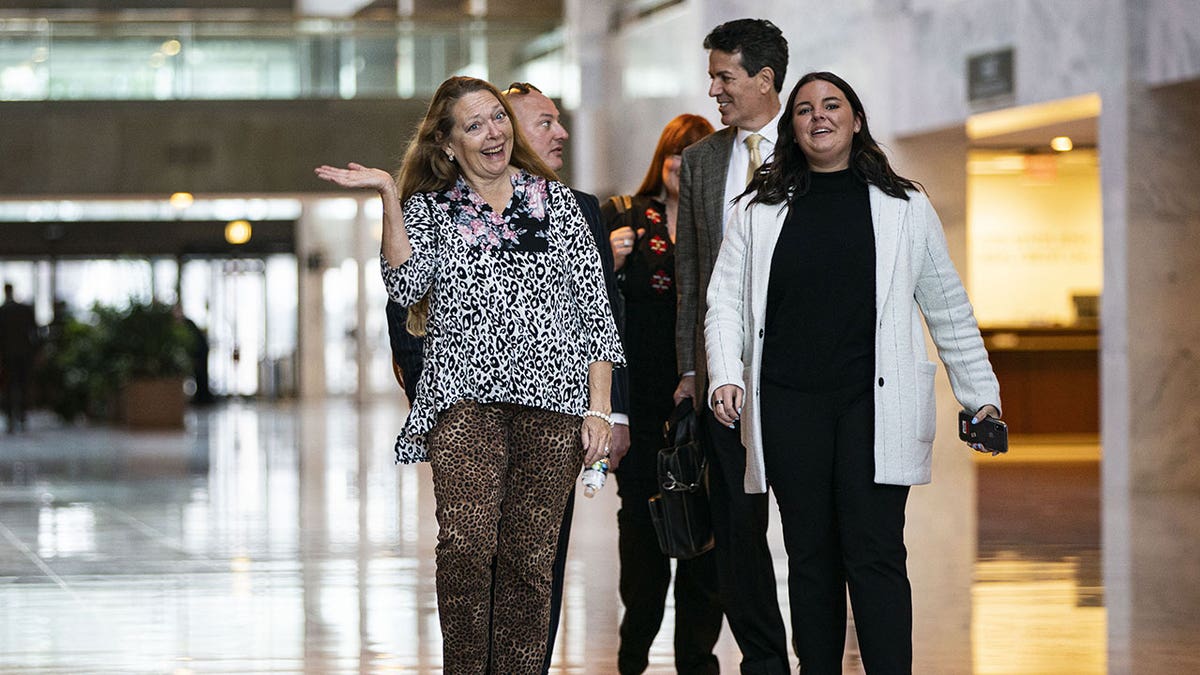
[91,362]
[146,340]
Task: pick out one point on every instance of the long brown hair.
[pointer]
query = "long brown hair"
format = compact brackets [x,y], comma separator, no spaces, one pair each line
[426,168]
[677,135]
[789,170]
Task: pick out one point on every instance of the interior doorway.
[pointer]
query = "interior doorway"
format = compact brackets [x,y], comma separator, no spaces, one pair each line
[1035,265]
[247,308]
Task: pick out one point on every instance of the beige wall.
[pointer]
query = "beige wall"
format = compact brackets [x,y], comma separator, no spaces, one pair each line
[1034,235]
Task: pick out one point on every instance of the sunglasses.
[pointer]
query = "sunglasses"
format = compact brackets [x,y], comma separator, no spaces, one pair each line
[521,88]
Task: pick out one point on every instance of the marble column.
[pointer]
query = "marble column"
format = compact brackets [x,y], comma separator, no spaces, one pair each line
[588,62]
[310,325]
[1151,469]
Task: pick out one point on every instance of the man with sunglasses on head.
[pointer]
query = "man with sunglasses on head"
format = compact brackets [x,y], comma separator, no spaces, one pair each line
[538,118]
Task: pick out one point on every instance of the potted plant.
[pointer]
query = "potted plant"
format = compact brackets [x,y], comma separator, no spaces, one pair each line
[150,349]
[73,376]
[129,365]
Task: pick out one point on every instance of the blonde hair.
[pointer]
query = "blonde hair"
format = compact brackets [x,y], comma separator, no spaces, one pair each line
[426,168]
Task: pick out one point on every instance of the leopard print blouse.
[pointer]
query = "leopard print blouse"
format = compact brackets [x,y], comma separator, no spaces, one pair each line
[518,307]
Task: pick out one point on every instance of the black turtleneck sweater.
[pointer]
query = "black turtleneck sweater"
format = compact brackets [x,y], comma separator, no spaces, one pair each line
[820,323]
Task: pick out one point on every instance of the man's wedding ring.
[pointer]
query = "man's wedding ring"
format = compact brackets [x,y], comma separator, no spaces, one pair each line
[720,402]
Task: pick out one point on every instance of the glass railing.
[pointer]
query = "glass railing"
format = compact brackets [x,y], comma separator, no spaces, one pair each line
[44,59]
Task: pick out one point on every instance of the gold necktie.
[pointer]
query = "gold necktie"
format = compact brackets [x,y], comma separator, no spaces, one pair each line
[752,142]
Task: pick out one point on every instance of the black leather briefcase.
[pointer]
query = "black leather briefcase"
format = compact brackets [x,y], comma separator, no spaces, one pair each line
[680,511]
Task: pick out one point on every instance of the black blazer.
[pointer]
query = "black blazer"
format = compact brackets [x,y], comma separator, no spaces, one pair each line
[590,205]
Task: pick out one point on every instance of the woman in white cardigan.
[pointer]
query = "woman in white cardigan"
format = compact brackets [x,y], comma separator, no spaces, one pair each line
[815,348]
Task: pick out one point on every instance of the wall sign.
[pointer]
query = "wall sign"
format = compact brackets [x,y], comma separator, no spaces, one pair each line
[990,76]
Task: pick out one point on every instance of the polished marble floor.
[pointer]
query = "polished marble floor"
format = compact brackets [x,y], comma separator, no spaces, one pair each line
[280,538]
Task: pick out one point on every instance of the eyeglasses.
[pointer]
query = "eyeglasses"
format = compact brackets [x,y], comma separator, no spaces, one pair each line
[521,88]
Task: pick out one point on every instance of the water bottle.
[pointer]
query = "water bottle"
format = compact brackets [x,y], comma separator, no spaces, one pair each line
[594,476]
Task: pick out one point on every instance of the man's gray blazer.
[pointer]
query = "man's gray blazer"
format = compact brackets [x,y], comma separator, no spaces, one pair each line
[698,235]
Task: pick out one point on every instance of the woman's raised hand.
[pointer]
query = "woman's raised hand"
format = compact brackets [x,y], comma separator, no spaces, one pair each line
[356,175]
[395,245]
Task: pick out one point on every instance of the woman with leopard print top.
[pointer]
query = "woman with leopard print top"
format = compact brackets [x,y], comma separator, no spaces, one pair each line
[494,257]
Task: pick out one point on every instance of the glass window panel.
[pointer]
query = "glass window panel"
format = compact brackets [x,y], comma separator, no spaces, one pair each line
[341,298]
[24,74]
[82,60]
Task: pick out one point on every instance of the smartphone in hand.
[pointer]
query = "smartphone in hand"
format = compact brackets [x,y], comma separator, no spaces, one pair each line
[990,432]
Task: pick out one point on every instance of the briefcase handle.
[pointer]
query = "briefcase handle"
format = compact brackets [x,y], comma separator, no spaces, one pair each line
[671,484]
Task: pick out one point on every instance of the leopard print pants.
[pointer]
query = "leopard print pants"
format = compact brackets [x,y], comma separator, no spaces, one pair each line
[501,473]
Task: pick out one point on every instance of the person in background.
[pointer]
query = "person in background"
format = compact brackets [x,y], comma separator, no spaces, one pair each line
[492,256]
[538,118]
[642,236]
[198,354]
[747,63]
[817,353]
[18,345]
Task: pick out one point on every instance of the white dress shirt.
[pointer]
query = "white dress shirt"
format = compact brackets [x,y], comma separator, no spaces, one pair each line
[739,160]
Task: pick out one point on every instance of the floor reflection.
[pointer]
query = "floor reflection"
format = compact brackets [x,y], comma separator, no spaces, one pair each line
[281,538]
[1038,597]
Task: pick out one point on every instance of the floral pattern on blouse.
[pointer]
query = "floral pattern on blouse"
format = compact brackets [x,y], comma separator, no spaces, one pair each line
[518,308]
[521,227]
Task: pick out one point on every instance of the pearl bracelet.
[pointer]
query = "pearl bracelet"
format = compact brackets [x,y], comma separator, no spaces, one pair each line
[597,413]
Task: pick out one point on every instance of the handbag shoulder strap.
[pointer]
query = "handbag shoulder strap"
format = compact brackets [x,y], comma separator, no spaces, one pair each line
[624,206]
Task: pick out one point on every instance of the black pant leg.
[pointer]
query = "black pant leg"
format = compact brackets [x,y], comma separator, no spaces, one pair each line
[871,520]
[17,374]
[559,572]
[645,572]
[798,448]
[745,570]
[698,615]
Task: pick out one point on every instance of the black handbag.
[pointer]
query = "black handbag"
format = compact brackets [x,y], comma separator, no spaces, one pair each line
[680,511]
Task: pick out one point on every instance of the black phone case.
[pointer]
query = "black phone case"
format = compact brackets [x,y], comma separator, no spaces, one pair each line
[992,433]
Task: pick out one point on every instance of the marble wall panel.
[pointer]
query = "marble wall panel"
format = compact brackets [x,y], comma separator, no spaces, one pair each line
[1163,255]
[1055,46]
[1172,41]
[1059,47]
[1165,612]
[931,74]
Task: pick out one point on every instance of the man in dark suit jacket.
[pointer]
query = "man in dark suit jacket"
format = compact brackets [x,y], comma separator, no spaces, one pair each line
[407,350]
[747,64]
[538,119]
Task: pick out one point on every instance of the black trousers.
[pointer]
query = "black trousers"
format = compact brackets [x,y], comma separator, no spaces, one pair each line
[645,576]
[840,528]
[556,581]
[745,571]
[16,376]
